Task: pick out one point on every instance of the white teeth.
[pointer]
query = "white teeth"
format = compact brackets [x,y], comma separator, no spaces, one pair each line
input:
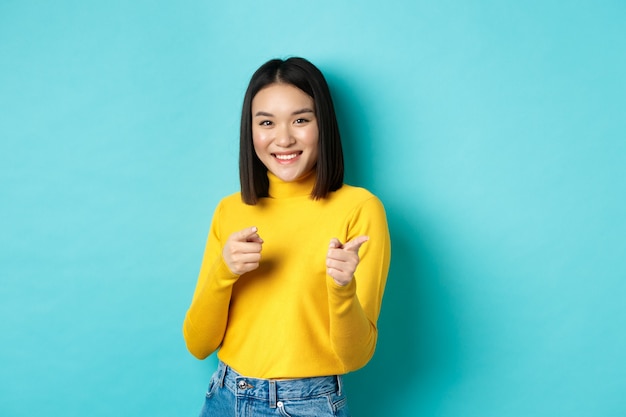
[286,157]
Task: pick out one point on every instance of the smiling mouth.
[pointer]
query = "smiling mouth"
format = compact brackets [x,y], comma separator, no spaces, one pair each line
[287,157]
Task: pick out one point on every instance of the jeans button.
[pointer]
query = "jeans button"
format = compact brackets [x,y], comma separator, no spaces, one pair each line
[242,384]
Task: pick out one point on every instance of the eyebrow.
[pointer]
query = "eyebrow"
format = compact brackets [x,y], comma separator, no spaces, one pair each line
[295,113]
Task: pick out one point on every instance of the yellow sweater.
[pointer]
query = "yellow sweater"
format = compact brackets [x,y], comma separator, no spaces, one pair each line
[288,319]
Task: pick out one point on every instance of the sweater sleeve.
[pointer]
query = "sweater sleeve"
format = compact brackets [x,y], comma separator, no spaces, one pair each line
[207,316]
[354,308]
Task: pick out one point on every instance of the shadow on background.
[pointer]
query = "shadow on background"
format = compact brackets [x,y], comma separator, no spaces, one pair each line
[417,341]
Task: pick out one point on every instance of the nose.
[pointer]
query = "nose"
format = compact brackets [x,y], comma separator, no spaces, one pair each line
[284,137]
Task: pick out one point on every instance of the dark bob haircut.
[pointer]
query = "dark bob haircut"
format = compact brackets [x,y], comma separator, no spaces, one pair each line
[307,77]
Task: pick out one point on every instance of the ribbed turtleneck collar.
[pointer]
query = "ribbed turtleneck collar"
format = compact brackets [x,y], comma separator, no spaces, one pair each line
[283,189]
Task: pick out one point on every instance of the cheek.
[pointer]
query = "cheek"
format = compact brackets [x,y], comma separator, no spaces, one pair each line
[259,141]
[313,138]
[307,135]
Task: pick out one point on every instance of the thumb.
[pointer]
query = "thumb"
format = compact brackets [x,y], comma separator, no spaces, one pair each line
[355,244]
[247,235]
[334,243]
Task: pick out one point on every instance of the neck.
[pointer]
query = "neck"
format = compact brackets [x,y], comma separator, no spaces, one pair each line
[284,189]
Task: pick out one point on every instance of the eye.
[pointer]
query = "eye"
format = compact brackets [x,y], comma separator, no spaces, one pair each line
[265,123]
[301,121]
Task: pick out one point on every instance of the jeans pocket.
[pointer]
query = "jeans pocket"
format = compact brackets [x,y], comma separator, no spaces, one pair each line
[339,404]
[213,384]
[310,407]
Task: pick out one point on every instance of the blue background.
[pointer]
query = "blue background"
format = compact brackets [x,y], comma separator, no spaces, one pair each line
[494,132]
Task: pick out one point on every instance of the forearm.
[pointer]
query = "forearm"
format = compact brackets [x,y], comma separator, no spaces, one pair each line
[352,334]
[206,319]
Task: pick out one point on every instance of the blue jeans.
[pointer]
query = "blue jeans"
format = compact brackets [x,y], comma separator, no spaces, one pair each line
[233,395]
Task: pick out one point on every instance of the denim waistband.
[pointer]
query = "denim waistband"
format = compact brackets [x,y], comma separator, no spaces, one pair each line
[274,390]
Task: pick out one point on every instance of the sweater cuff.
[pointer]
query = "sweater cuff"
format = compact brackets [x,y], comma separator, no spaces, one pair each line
[225,277]
[340,293]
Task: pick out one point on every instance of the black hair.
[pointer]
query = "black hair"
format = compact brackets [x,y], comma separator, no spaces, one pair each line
[307,77]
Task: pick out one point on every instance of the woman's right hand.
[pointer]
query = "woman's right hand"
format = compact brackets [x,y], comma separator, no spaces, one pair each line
[242,251]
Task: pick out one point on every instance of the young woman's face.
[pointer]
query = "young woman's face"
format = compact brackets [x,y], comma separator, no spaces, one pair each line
[284,130]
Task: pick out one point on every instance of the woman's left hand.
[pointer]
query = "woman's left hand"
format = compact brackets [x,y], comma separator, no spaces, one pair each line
[342,259]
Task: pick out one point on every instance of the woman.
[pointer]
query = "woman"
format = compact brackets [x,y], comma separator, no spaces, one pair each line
[294,270]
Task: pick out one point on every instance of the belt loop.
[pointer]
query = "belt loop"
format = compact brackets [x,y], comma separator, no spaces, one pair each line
[222,375]
[272,392]
[339,384]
